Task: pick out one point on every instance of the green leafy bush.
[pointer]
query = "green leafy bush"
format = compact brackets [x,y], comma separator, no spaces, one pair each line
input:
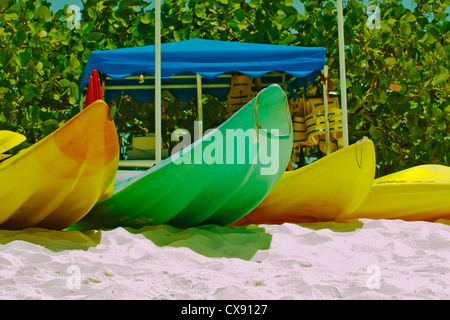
[397,75]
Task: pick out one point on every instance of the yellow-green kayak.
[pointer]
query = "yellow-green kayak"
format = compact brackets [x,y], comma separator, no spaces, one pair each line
[417,193]
[56,181]
[327,189]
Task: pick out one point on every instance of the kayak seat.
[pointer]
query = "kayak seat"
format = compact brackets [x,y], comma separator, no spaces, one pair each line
[143,147]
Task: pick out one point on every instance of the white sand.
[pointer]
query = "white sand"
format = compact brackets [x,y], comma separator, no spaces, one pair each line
[382,260]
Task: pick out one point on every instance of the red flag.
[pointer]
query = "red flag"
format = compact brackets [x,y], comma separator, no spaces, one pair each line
[94,90]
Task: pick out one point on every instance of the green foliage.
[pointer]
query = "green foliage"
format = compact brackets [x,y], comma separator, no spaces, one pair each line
[41,58]
[397,76]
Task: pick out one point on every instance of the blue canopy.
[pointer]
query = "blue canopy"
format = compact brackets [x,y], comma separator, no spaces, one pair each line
[208,58]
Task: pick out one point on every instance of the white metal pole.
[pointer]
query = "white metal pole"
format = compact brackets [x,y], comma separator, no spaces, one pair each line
[82,100]
[325,109]
[200,106]
[158,81]
[342,72]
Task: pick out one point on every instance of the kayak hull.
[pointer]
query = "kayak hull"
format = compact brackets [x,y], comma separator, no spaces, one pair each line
[417,193]
[56,181]
[327,189]
[215,180]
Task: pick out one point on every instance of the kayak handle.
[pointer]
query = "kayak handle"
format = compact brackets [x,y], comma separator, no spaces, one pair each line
[258,124]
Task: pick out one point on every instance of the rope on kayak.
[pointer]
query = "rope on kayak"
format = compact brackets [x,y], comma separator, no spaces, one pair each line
[288,114]
[258,126]
[360,163]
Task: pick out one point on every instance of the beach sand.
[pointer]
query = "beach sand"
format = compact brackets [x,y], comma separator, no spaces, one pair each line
[365,259]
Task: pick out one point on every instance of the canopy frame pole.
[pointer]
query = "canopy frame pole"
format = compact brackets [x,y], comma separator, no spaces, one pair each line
[158,134]
[342,73]
[82,100]
[103,85]
[283,82]
[199,106]
[325,108]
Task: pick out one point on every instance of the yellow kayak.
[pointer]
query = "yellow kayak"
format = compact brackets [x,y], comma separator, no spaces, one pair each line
[417,193]
[327,189]
[9,140]
[56,181]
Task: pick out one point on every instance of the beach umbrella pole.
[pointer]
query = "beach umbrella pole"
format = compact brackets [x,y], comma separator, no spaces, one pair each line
[342,72]
[158,81]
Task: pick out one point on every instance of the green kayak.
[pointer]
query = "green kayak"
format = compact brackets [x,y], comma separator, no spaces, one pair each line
[215,180]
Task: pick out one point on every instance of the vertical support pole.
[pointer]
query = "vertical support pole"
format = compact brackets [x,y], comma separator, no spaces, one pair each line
[82,100]
[342,72]
[158,81]
[103,88]
[325,108]
[200,106]
[283,82]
